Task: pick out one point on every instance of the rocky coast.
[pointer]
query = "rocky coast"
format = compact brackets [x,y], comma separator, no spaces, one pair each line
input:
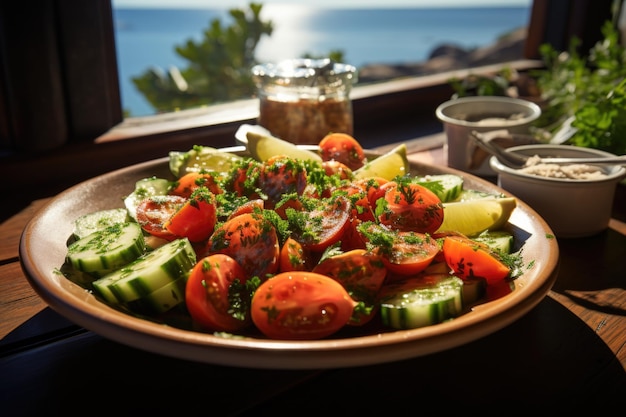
[449,57]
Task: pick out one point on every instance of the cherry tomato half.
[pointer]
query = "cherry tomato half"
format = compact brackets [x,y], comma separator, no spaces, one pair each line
[293,257]
[249,239]
[189,182]
[361,273]
[411,207]
[243,180]
[470,259]
[249,206]
[196,218]
[301,306]
[290,201]
[153,212]
[207,294]
[281,175]
[410,253]
[325,225]
[361,208]
[337,168]
[352,238]
[343,148]
[372,187]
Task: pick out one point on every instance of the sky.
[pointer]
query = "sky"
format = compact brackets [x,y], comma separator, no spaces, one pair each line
[229,4]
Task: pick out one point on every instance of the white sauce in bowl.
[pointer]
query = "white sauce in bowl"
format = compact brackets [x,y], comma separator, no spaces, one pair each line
[571,171]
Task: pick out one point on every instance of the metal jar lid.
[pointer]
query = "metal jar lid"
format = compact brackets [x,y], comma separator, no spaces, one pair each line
[322,74]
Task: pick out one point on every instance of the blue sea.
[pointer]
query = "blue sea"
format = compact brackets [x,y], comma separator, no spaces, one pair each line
[146,38]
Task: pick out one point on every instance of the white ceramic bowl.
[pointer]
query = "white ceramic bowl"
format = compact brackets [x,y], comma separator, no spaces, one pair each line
[572,208]
[463,115]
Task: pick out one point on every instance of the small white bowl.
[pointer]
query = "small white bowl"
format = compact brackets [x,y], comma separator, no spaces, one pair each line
[463,115]
[571,207]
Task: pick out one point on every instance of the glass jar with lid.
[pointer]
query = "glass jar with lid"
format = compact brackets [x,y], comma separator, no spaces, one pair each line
[303,100]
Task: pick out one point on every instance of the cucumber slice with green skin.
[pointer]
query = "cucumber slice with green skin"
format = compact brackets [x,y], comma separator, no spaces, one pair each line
[148,273]
[107,249]
[93,222]
[499,240]
[473,291]
[418,303]
[451,186]
[145,188]
[161,300]
[467,195]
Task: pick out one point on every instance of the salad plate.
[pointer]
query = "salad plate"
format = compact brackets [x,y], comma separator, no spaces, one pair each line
[43,247]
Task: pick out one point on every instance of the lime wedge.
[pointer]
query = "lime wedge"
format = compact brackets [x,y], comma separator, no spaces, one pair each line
[387,166]
[263,147]
[201,158]
[472,217]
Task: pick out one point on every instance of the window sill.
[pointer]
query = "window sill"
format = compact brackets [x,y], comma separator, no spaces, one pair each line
[373,103]
[385,113]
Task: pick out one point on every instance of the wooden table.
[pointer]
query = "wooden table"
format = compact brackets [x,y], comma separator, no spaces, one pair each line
[566,354]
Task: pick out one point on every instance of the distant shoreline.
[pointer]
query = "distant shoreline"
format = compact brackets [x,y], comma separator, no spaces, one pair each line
[449,57]
[382,43]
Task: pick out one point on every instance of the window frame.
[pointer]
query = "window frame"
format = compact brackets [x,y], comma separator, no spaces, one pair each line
[80,115]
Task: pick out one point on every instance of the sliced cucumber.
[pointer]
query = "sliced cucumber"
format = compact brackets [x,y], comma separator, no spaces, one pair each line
[161,300]
[93,222]
[147,274]
[467,195]
[451,185]
[499,240]
[473,291]
[145,188]
[153,242]
[107,249]
[417,302]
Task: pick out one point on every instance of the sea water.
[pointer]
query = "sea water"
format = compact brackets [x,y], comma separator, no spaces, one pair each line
[146,38]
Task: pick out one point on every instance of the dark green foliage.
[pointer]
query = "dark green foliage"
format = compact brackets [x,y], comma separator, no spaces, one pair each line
[219,65]
[601,123]
[334,55]
[477,85]
[592,89]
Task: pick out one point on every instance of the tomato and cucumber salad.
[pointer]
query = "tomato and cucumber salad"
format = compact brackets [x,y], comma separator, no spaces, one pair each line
[290,248]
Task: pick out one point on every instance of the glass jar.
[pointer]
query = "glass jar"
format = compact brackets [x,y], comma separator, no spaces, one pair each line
[302,100]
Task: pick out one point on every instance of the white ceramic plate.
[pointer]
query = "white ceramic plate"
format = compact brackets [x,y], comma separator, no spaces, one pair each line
[43,249]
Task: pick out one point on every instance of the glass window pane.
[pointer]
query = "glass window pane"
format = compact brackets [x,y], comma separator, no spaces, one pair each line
[382,39]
